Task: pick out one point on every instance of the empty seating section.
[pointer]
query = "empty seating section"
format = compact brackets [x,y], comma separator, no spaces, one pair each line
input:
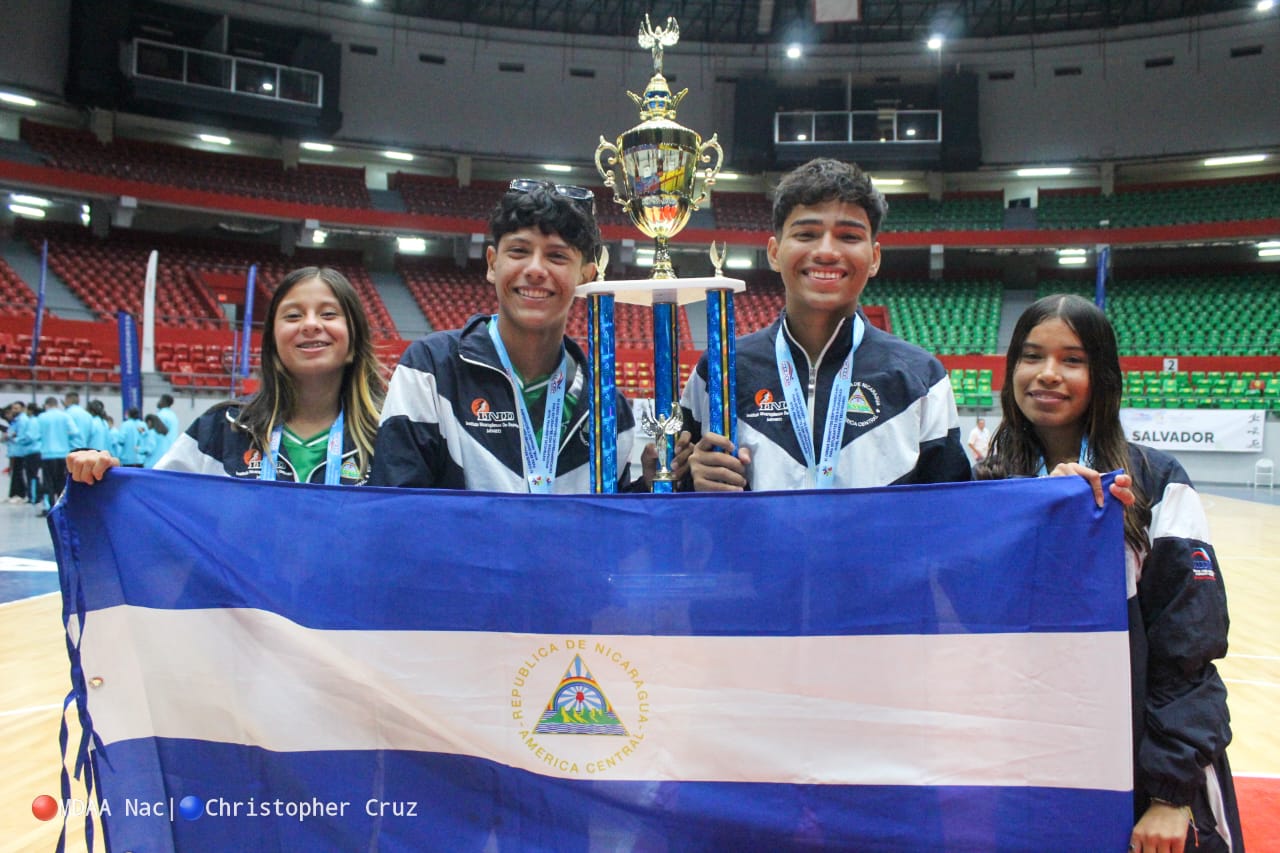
[158,163]
[955,212]
[972,387]
[945,317]
[1198,202]
[1201,389]
[759,305]
[60,360]
[742,211]
[110,275]
[16,298]
[444,197]
[199,365]
[1216,315]
[447,294]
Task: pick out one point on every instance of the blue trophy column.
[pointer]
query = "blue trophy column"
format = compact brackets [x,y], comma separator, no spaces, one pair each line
[602,428]
[666,372]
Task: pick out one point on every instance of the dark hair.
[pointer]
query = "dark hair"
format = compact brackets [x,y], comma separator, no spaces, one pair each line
[97,409]
[154,422]
[824,180]
[363,385]
[132,413]
[542,207]
[1016,449]
[164,400]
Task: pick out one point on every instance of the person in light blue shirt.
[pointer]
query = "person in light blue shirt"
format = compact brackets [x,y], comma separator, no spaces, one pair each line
[132,433]
[58,435]
[164,411]
[83,420]
[154,441]
[97,437]
[16,414]
[29,437]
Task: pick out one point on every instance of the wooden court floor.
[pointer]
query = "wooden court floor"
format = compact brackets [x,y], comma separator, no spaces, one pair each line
[34,680]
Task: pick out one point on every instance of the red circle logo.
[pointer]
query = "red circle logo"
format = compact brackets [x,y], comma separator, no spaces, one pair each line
[763,396]
[44,807]
[479,406]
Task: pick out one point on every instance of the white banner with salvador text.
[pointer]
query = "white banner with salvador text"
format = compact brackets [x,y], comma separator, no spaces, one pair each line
[1229,430]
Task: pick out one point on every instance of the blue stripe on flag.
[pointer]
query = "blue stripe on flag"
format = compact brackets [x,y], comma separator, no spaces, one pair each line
[802,564]
[469,799]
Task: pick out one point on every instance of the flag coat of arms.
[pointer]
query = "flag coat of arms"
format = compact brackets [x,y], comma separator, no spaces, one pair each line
[266,666]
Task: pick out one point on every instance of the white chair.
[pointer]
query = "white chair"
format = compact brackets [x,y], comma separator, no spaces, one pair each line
[1264,474]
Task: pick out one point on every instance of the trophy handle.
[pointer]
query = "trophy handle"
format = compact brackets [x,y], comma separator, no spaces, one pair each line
[606,147]
[709,172]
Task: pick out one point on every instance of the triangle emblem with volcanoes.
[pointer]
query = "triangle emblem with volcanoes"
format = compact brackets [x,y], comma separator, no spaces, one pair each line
[578,706]
[858,403]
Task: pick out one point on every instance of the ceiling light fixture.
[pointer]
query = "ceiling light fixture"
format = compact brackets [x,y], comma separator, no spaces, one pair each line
[18,100]
[318,146]
[398,155]
[1235,160]
[1044,172]
[214,139]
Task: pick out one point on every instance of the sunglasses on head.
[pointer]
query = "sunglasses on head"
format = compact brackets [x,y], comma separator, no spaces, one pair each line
[582,196]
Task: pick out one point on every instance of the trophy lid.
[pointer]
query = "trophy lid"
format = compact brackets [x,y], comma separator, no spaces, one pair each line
[658,102]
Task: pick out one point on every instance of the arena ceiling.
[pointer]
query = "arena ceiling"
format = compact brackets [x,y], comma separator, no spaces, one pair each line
[772,21]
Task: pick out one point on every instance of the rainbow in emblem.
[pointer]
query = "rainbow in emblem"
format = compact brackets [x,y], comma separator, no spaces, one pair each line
[579,706]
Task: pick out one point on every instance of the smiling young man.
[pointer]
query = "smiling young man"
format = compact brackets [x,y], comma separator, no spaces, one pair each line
[499,405]
[824,399]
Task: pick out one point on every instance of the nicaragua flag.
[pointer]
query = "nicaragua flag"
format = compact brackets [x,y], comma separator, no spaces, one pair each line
[265,666]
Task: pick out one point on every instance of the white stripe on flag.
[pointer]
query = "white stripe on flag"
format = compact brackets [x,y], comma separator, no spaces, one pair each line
[951,709]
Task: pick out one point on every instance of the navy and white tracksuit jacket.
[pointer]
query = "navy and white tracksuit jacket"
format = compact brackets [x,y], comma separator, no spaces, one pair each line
[900,426]
[213,444]
[451,421]
[1177,628]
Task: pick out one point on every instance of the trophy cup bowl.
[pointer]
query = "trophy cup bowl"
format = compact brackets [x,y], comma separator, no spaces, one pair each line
[652,170]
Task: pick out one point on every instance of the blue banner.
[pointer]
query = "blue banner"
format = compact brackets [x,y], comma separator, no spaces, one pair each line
[130,369]
[40,294]
[1100,284]
[693,672]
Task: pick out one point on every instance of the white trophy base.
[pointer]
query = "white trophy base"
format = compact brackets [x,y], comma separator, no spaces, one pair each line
[647,291]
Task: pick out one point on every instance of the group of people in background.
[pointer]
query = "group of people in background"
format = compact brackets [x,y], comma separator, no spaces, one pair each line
[499,404]
[40,437]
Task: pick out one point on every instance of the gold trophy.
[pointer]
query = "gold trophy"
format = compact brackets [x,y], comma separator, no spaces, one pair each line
[652,170]
[657,160]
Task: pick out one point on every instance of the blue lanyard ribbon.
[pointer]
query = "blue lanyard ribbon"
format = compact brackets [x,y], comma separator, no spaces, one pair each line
[333,463]
[539,461]
[1084,457]
[823,470]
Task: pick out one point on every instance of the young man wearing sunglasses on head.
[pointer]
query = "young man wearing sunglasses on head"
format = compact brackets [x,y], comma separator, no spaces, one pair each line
[500,405]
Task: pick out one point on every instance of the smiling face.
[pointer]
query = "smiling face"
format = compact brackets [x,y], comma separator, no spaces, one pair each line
[825,254]
[1051,384]
[310,331]
[535,276]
